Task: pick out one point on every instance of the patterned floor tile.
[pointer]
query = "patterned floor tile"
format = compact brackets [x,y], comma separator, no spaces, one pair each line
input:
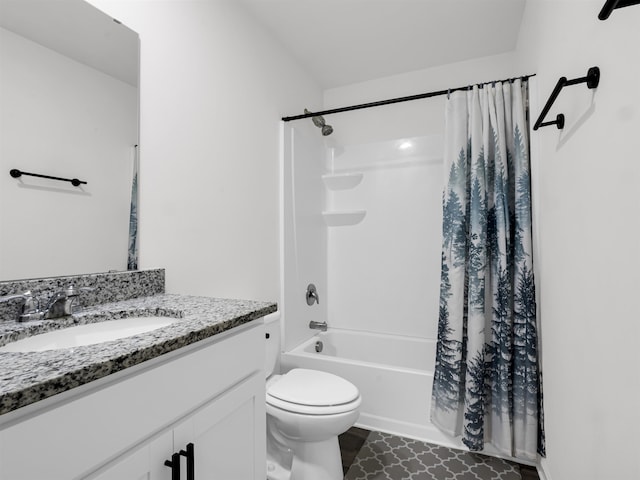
[389,457]
[350,443]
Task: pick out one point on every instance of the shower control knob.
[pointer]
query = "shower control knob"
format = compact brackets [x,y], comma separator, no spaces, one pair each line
[312,294]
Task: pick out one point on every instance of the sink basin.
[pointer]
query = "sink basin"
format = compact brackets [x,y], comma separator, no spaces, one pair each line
[88,334]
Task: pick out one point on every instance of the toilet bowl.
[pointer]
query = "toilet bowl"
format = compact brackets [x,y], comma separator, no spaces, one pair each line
[306,411]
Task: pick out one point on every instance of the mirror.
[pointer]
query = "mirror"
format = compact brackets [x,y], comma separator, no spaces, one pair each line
[68,108]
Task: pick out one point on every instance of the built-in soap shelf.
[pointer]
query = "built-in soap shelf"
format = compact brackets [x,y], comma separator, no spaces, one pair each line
[341,181]
[343,218]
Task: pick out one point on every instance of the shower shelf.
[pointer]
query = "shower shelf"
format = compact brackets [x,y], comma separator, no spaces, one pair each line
[343,218]
[341,181]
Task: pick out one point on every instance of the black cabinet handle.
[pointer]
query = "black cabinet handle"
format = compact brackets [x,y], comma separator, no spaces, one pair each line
[174,463]
[191,461]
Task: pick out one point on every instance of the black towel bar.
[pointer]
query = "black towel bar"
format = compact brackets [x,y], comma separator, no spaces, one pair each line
[15,173]
[592,80]
[611,5]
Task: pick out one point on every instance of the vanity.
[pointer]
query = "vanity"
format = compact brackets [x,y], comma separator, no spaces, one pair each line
[185,400]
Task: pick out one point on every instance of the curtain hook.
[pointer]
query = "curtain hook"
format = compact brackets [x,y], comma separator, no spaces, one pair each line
[448,93]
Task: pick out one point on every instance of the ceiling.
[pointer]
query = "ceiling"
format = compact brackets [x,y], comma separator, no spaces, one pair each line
[341,42]
[77,30]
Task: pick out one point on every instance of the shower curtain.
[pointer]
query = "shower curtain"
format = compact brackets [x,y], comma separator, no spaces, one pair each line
[487,384]
[132,258]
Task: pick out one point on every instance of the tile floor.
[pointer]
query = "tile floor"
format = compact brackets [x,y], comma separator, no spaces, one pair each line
[380,456]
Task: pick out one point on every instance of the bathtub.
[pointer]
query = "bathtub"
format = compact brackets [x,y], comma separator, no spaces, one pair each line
[393,373]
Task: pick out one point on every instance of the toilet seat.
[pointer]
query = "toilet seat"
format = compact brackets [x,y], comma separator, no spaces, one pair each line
[312,392]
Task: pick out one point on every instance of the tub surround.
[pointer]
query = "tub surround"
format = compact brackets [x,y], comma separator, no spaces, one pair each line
[32,376]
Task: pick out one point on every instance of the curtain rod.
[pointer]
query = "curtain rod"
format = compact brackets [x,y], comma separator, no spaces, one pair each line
[396,100]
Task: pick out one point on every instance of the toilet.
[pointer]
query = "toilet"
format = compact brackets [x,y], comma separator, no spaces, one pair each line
[306,411]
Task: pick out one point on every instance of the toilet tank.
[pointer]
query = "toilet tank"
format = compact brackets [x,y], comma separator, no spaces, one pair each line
[272,343]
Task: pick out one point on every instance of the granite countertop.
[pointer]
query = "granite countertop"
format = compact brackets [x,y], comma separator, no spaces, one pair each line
[27,377]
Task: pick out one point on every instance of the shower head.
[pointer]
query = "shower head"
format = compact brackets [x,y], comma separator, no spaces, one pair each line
[319,122]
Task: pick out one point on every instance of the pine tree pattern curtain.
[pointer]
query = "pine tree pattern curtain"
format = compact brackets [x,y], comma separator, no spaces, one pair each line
[487,384]
[132,257]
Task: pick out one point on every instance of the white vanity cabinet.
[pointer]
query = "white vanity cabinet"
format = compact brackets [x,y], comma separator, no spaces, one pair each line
[143,463]
[209,394]
[225,437]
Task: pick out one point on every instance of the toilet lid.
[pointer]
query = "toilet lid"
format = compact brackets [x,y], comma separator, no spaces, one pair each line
[313,388]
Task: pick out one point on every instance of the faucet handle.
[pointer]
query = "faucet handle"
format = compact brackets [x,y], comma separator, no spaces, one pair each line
[16,296]
[30,306]
[71,290]
[312,295]
[31,303]
[27,296]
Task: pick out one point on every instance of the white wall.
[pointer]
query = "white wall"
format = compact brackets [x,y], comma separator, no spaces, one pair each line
[384,272]
[213,87]
[589,229]
[61,118]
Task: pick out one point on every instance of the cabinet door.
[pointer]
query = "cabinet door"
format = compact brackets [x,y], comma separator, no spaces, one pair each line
[228,434]
[144,463]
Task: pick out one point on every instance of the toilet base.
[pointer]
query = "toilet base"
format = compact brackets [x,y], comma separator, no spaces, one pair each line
[275,471]
[317,460]
[310,460]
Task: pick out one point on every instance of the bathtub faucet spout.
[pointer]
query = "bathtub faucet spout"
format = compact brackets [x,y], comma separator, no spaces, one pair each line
[322,326]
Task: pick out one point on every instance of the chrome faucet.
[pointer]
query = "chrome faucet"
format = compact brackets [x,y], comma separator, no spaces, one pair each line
[322,326]
[59,305]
